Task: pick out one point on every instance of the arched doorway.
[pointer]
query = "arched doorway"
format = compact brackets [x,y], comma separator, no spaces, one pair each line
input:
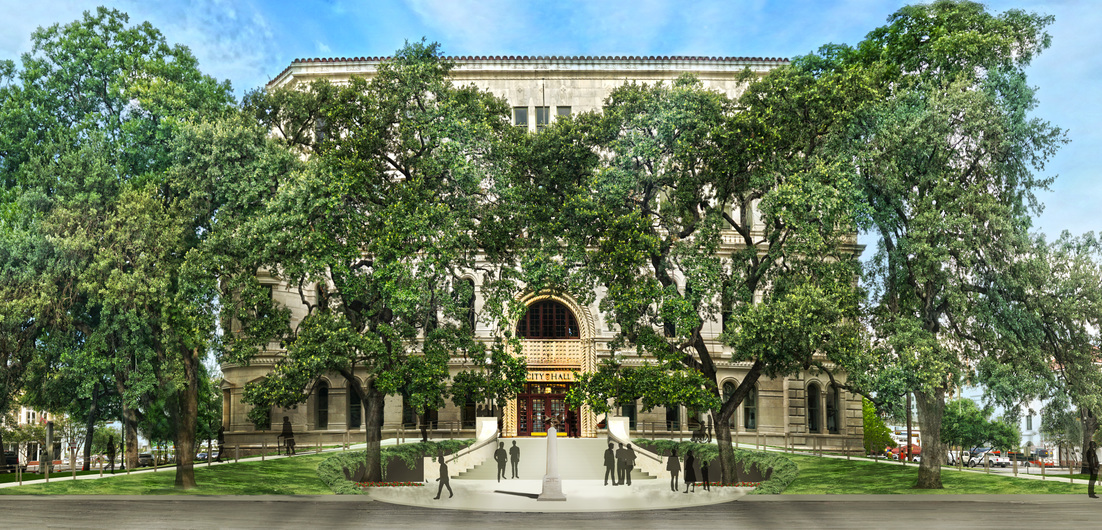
[556,340]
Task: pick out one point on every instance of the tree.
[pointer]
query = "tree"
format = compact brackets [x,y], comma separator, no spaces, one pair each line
[89,146]
[683,168]
[877,435]
[375,233]
[965,424]
[947,160]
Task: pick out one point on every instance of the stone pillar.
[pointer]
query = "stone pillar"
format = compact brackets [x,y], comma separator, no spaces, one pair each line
[552,483]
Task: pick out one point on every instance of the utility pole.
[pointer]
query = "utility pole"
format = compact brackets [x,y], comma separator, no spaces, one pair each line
[910,457]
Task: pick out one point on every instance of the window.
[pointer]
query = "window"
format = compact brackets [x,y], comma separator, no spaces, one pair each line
[728,391]
[355,411]
[469,412]
[562,112]
[543,117]
[321,405]
[834,416]
[813,410]
[750,409]
[1029,422]
[520,117]
[673,418]
[629,410]
[548,320]
[465,299]
[226,410]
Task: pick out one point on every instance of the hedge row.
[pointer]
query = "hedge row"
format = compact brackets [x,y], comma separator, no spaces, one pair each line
[331,470]
[784,471]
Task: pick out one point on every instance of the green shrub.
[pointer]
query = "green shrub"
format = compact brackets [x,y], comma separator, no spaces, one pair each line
[331,470]
[784,470]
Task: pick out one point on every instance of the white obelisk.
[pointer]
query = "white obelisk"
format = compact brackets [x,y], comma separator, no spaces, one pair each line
[552,484]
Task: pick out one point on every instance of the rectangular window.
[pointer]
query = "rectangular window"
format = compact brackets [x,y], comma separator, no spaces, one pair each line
[562,111]
[543,117]
[1029,423]
[520,116]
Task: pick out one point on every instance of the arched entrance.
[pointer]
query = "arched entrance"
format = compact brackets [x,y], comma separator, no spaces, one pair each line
[556,340]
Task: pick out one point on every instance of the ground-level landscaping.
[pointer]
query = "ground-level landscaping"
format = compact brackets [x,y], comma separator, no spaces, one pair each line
[837,476]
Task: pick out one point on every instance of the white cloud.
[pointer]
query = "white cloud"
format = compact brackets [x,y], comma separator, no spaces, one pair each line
[474,26]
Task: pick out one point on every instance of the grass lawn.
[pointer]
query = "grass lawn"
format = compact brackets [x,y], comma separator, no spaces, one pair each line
[286,476]
[835,476]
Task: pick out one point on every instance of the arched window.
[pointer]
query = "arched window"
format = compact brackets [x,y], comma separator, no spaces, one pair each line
[834,411]
[321,407]
[548,319]
[728,391]
[355,410]
[464,298]
[750,409]
[813,410]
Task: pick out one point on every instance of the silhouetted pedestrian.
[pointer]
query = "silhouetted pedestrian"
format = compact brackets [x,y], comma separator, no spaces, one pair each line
[629,463]
[610,465]
[704,474]
[621,464]
[288,436]
[1092,467]
[110,452]
[444,479]
[673,465]
[501,459]
[514,458]
[690,471]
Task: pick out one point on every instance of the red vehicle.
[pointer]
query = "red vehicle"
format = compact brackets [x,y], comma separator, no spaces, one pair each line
[902,450]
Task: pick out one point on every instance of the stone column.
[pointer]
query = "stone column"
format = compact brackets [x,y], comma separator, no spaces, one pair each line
[552,483]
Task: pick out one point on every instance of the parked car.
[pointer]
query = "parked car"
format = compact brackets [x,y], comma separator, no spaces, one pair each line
[145,459]
[11,462]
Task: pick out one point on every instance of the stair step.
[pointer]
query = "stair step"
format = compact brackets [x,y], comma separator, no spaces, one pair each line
[579,459]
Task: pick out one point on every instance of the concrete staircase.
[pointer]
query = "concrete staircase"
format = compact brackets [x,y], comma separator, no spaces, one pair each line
[579,459]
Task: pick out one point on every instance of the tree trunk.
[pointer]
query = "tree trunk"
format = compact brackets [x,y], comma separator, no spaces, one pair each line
[374,423]
[931,408]
[89,431]
[1090,426]
[727,465]
[187,415]
[130,436]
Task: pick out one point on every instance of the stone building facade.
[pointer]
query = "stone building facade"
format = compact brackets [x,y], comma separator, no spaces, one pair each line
[796,410]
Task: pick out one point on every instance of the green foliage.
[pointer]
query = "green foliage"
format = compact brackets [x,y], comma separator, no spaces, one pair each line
[782,471]
[332,469]
[877,435]
[967,425]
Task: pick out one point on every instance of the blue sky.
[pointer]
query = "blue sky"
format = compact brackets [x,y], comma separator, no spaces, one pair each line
[250,41]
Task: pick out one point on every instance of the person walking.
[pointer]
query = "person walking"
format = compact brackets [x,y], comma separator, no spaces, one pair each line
[629,463]
[445,480]
[704,474]
[610,465]
[621,463]
[514,458]
[673,465]
[1092,467]
[502,459]
[690,471]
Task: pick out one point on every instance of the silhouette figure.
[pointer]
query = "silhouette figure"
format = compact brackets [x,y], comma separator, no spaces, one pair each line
[571,424]
[502,459]
[621,456]
[445,481]
[1092,466]
[673,465]
[111,451]
[629,462]
[610,465]
[288,436]
[514,458]
[690,471]
[704,474]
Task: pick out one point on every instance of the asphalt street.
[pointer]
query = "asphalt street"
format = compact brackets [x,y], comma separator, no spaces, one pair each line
[766,511]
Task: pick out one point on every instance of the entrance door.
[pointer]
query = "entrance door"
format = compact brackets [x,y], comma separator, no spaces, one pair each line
[539,403]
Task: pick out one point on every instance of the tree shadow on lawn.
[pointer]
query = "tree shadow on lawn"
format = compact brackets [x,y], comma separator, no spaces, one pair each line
[835,476]
[288,476]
